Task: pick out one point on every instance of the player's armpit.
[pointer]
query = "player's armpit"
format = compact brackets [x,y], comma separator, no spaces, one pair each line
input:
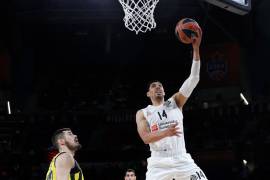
[180,99]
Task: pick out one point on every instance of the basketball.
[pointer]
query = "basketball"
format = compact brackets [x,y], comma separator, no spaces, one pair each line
[185,29]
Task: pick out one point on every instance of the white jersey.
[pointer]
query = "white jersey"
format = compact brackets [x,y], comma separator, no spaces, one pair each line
[160,118]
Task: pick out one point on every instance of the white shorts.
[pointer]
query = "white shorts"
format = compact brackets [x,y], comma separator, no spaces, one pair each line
[171,169]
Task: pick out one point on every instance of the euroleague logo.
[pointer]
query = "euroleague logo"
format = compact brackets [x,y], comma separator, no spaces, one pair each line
[217,67]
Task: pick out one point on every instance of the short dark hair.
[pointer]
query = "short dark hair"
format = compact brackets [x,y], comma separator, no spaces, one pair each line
[152,81]
[131,170]
[57,135]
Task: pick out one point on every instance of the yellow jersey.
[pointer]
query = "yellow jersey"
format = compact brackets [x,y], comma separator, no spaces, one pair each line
[75,172]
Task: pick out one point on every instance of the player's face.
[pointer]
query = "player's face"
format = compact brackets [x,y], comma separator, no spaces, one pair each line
[130,176]
[71,140]
[156,90]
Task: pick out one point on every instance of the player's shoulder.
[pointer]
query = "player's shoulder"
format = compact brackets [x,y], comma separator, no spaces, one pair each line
[65,160]
[139,112]
[65,157]
[140,115]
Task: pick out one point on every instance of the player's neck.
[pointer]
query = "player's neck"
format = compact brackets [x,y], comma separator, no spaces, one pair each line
[67,150]
[157,102]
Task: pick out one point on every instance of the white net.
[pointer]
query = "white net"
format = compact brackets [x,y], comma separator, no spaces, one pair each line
[139,15]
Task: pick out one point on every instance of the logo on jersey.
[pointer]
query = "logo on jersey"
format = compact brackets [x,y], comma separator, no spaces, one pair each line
[154,128]
[194,177]
[197,175]
[167,103]
[166,124]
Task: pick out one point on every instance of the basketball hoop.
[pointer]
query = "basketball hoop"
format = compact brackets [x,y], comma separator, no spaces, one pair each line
[139,15]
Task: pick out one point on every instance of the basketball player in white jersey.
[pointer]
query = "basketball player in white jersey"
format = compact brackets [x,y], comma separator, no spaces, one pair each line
[161,126]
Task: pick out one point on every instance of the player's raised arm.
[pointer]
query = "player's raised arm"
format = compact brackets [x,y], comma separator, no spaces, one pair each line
[194,77]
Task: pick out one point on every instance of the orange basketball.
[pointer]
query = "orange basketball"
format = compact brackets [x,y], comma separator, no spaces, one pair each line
[185,29]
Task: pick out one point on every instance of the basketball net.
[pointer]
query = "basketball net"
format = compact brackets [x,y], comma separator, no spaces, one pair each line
[139,15]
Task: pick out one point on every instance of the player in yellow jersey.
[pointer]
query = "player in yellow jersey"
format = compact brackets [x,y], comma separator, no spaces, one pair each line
[63,166]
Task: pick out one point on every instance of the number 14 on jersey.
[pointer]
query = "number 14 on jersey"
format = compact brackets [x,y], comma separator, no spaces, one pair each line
[163,114]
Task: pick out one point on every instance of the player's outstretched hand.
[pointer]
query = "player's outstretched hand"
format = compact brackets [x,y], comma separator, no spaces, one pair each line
[196,40]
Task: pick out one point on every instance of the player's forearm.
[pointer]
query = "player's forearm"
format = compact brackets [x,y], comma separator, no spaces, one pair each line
[193,79]
[154,136]
[196,53]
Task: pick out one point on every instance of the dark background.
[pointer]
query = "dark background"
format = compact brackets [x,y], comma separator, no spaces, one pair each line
[73,64]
